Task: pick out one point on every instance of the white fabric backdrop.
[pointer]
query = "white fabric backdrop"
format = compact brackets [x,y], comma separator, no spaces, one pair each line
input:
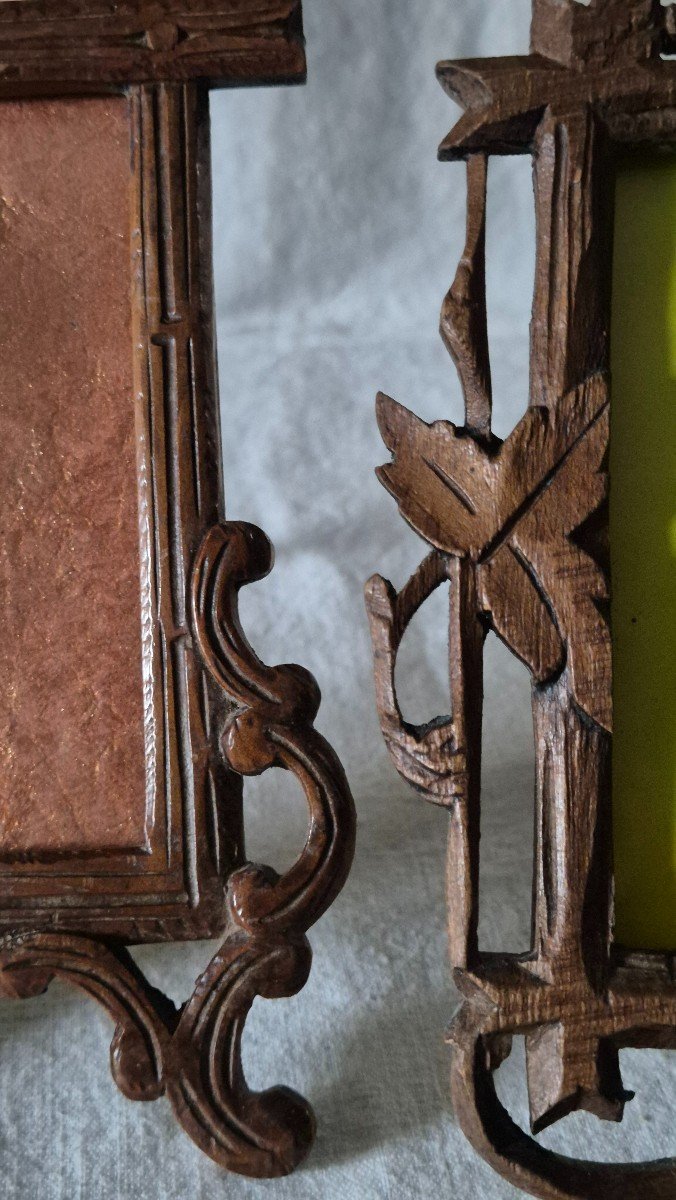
[337,234]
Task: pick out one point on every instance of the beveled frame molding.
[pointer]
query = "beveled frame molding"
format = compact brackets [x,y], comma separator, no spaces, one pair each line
[517,529]
[219,713]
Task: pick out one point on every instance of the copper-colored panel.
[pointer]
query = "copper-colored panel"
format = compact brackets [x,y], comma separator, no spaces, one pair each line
[73,739]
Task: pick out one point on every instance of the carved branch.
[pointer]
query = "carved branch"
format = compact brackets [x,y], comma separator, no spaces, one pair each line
[510,524]
[432,758]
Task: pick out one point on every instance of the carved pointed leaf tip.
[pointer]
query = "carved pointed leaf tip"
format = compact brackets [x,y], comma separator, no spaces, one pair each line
[511,510]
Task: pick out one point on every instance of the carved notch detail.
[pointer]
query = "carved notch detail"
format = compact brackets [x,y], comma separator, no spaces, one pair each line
[221,712]
[519,528]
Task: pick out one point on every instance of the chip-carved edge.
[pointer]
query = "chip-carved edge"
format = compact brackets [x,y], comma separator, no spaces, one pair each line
[576,997]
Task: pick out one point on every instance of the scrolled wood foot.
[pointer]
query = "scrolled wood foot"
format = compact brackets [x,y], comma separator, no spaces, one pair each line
[194,1055]
[143,1017]
[519,1158]
[253,1133]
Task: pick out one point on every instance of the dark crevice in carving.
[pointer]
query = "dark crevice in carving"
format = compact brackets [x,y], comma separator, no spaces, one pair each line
[194,1054]
[522,528]
[224,713]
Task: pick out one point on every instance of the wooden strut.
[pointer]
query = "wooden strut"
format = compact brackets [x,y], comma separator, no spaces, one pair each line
[519,529]
[194,1054]
[237,716]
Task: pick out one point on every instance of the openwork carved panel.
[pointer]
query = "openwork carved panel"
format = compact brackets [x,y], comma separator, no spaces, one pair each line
[132,712]
[519,529]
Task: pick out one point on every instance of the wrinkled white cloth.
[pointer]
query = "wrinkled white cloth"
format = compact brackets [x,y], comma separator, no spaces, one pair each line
[336,236]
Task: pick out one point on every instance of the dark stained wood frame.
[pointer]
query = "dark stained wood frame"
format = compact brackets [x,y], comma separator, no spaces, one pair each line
[519,530]
[225,713]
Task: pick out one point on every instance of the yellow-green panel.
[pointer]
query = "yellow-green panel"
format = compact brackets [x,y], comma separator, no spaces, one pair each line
[643,553]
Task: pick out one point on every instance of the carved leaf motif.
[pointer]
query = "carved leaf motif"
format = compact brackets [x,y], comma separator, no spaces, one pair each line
[511,508]
[575,584]
[520,614]
[460,495]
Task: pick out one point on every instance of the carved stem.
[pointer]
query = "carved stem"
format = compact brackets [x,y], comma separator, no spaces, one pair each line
[464,327]
[430,757]
[466,649]
[572,911]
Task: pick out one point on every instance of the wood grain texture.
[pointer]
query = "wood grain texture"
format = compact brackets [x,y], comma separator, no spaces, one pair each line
[520,530]
[193,1054]
[84,45]
[218,712]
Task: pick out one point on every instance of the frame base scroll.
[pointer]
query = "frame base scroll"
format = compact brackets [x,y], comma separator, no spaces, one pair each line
[193,1054]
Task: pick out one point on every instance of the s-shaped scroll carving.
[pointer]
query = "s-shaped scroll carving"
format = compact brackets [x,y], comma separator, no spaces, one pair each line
[271,727]
[193,1055]
[267,953]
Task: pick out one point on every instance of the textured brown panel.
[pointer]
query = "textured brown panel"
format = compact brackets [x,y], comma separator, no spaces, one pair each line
[72,727]
[108,414]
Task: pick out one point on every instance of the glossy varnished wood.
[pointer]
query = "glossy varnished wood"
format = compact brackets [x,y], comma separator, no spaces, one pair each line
[519,530]
[81,45]
[70,902]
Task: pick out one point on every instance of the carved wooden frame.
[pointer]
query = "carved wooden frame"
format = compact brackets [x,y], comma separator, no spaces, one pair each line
[519,530]
[221,713]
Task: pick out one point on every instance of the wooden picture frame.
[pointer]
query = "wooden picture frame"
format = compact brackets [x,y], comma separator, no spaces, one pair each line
[519,531]
[122,818]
